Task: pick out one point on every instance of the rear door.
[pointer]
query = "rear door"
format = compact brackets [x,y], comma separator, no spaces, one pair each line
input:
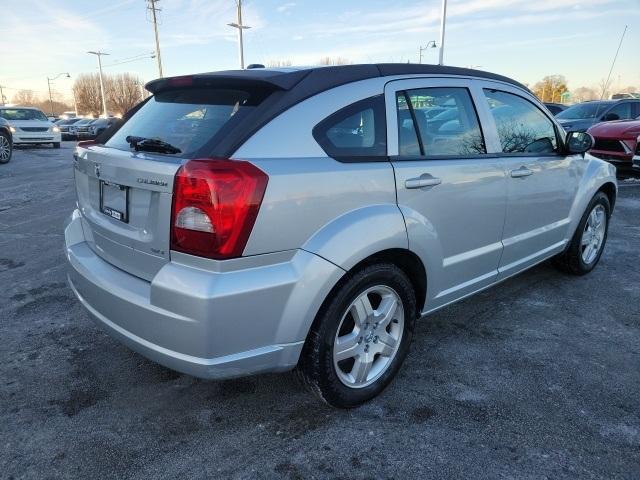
[125,195]
[541,180]
[451,192]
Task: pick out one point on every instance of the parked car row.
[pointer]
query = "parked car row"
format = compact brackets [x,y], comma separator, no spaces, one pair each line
[84,128]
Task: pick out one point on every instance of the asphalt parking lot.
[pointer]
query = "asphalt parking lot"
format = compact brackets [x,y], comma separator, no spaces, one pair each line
[537,378]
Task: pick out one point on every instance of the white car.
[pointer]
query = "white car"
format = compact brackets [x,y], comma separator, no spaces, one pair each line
[30,125]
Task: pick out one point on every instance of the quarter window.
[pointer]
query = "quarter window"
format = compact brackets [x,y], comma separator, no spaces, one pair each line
[522,127]
[356,132]
[437,122]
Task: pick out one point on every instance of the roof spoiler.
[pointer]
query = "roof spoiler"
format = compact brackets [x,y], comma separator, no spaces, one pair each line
[267,79]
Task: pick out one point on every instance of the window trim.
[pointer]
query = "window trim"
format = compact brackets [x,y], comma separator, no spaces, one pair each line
[422,156]
[377,103]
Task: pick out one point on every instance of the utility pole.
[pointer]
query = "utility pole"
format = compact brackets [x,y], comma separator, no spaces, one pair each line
[1,96]
[443,21]
[431,44]
[154,9]
[104,101]
[49,80]
[240,27]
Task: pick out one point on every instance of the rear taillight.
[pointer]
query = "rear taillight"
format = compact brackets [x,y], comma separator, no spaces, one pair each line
[215,204]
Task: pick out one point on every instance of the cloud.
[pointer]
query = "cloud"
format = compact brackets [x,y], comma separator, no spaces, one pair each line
[286,7]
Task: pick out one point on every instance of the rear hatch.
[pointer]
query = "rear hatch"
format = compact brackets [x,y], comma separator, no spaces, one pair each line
[124,187]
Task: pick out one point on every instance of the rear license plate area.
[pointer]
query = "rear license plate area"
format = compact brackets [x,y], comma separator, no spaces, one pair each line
[114,201]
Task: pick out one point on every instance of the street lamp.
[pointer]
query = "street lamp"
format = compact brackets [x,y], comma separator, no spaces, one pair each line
[49,80]
[431,44]
[104,102]
[240,27]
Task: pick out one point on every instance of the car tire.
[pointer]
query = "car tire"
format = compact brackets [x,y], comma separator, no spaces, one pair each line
[6,148]
[589,239]
[56,144]
[322,368]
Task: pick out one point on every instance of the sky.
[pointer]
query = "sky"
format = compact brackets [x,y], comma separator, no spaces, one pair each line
[522,39]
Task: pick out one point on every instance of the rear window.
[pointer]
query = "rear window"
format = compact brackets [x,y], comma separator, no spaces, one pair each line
[187,118]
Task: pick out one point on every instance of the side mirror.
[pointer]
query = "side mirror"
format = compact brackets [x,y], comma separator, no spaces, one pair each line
[609,117]
[579,142]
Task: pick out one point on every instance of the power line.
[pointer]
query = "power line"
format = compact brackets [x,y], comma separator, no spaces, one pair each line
[154,9]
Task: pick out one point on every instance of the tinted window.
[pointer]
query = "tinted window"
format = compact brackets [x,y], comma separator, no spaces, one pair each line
[522,127]
[22,114]
[355,133]
[584,110]
[622,110]
[453,130]
[187,118]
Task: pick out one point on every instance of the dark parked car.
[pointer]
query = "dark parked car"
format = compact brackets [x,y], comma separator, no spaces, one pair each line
[580,117]
[100,125]
[555,108]
[64,124]
[6,141]
[83,125]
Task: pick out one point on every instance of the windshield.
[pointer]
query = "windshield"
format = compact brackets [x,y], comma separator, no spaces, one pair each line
[22,114]
[584,111]
[186,118]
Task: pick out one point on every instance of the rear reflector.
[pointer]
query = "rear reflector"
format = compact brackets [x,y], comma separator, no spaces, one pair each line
[215,204]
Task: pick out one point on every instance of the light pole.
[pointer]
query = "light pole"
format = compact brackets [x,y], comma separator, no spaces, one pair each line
[104,102]
[49,80]
[431,44]
[240,27]
[443,21]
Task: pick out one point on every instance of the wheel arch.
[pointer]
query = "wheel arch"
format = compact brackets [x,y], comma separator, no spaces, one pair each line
[403,258]
[610,190]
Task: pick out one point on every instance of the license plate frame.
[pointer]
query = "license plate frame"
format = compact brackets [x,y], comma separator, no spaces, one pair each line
[120,211]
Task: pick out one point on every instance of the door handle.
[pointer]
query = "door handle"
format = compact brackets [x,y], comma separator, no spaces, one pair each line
[521,172]
[424,180]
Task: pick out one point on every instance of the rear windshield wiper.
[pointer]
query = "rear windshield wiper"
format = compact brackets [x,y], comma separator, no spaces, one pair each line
[151,145]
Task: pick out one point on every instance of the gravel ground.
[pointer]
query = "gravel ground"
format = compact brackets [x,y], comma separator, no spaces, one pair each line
[537,378]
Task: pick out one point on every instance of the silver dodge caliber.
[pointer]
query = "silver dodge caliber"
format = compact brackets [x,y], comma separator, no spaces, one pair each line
[255,221]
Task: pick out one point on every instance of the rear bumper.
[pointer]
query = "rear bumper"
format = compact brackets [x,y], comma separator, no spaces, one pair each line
[206,323]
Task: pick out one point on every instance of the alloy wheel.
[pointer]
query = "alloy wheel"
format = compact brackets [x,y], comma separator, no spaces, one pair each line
[593,234]
[368,337]
[5,149]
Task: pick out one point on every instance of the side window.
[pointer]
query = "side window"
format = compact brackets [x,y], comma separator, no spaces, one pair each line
[522,127]
[622,110]
[438,121]
[356,133]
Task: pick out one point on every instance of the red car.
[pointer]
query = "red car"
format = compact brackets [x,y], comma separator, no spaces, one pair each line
[617,142]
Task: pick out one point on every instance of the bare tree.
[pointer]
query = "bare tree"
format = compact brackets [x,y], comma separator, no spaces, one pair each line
[550,88]
[123,92]
[26,98]
[604,88]
[86,89]
[582,94]
[334,61]
[279,63]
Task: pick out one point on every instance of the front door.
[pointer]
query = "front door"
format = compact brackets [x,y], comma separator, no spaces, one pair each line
[541,181]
